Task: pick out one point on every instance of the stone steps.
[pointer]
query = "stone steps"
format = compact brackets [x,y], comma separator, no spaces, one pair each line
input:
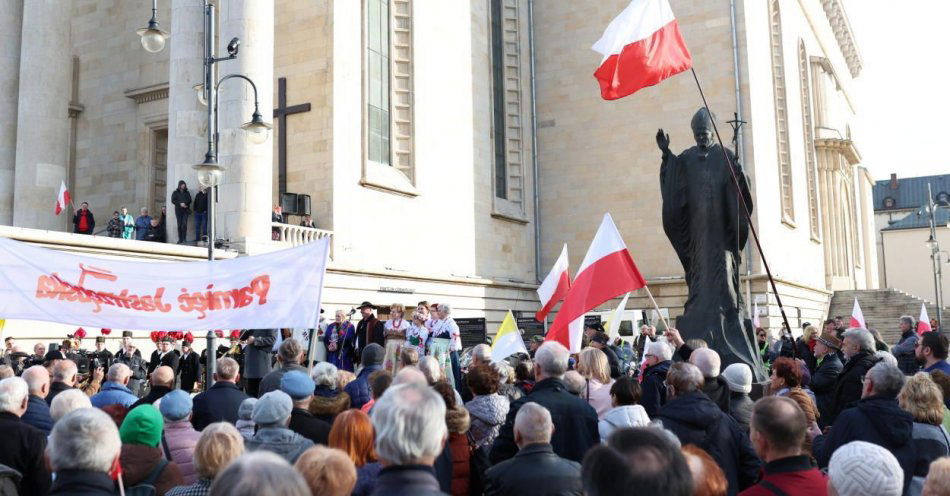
[882,308]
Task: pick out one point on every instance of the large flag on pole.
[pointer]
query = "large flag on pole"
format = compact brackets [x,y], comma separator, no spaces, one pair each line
[608,271]
[62,199]
[857,317]
[554,287]
[923,323]
[641,47]
[508,340]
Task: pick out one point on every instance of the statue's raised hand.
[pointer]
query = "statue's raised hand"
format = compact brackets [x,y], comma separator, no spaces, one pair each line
[663,141]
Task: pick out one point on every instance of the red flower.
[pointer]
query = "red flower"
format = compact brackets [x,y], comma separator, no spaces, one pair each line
[80,333]
[177,335]
[219,333]
[161,334]
[189,337]
[154,336]
[236,333]
[106,331]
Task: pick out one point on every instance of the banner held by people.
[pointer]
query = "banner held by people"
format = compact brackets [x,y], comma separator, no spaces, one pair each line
[278,289]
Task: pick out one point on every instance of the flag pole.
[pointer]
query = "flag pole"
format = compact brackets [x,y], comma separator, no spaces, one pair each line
[745,207]
[660,314]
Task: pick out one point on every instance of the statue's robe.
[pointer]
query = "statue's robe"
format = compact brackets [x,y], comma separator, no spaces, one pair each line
[703,219]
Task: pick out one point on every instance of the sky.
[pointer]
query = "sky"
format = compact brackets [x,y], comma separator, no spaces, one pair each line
[903,91]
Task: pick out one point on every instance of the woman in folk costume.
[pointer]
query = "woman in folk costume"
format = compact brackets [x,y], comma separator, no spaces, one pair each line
[446,342]
[395,332]
[418,333]
[128,224]
[340,341]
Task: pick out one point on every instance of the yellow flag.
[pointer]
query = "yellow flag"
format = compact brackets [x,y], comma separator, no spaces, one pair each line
[508,340]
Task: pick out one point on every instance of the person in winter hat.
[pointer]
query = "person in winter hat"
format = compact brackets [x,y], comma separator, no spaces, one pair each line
[625,396]
[141,435]
[860,468]
[739,378]
[245,425]
[180,437]
[272,415]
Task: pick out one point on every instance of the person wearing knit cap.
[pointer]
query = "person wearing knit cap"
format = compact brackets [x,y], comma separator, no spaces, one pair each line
[245,423]
[738,377]
[299,386]
[272,415]
[180,437]
[865,469]
[372,360]
[828,367]
[141,434]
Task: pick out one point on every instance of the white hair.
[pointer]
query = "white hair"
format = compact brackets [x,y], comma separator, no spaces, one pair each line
[505,372]
[552,359]
[707,361]
[660,349]
[324,374]
[261,473]
[482,352]
[430,368]
[445,308]
[886,357]
[67,401]
[862,336]
[118,372]
[36,377]
[533,422]
[84,439]
[227,368]
[13,390]
[410,374]
[64,371]
[410,424]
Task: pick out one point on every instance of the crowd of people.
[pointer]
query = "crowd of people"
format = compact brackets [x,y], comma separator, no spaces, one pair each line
[397,408]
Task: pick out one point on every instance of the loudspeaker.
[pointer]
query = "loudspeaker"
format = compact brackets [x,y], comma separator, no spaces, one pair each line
[288,203]
[303,204]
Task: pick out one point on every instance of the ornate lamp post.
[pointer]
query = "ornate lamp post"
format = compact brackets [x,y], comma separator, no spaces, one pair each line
[209,172]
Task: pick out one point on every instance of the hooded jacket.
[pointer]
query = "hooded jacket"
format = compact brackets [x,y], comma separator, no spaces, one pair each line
[695,419]
[848,387]
[487,413]
[138,461]
[622,417]
[717,389]
[654,388]
[328,403]
[878,420]
[181,439]
[279,440]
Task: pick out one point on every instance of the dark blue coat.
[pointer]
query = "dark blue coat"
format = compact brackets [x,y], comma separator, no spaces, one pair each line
[218,403]
[37,414]
[848,386]
[877,420]
[695,419]
[359,389]
[407,480]
[823,385]
[654,387]
[534,470]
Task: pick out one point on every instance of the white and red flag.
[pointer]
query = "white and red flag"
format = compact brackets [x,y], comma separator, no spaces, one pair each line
[608,271]
[923,324]
[62,199]
[555,286]
[857,317]
[641,47]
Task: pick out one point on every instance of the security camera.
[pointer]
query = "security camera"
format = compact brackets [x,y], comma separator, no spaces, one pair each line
[233,46]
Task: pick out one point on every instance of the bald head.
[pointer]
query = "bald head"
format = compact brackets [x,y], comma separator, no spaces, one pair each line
[65,371]
[707,361]
[533,425]
[37,380]
[410,375]
[163,376]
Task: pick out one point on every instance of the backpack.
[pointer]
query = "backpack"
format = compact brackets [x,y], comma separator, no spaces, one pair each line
[147,486]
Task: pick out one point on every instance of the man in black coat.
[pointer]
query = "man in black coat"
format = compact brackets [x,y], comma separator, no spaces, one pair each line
[83,221]
[858,348]
[299,386]
[188,367]
[165,355]
[23,445]
[714,386]
[201,213]
[132,357]
[828,367]
[162,382]
[535,469]
[368,330]
[181,199]
[695,419]
[601,341]
[576,421]
[257,358]
[657,360]
[877,418]
[222,400]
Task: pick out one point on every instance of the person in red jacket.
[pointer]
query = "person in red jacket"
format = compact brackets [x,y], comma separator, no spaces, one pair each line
[778,427]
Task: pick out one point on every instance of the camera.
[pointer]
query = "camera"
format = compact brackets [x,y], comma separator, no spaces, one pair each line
[233,46]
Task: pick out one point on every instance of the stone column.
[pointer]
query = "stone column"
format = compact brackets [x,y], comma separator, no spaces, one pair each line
[244,206]
[42,128]
[826,213]
[187,118]
[10,19]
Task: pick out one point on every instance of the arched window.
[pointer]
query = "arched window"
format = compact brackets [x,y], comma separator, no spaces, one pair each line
[809,140]
[781,113]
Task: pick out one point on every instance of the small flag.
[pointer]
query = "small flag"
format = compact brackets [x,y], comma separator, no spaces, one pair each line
[641,47]
[923,324]
[857,317]
[555,286]
[508,340]
[62,199]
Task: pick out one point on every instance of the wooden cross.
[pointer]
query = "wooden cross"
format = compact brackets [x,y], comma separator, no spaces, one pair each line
[281,113]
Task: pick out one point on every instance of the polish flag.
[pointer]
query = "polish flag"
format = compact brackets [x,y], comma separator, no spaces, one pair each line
[923,324]
[555,286]
[608,271]
[857,317]
[62,199]
[641,47]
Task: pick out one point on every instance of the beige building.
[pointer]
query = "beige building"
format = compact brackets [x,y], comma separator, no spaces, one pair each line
[417,148]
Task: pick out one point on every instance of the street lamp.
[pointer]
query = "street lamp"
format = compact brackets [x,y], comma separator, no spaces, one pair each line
[209,171]
[934,246]
[153,38]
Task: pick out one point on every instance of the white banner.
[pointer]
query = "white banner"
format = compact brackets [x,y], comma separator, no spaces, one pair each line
[274,290]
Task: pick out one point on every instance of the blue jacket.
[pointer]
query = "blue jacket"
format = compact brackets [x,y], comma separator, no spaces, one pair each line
[142,223]
[113,393]
[366,477]
[654,387]
[359,389]
[37,414]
